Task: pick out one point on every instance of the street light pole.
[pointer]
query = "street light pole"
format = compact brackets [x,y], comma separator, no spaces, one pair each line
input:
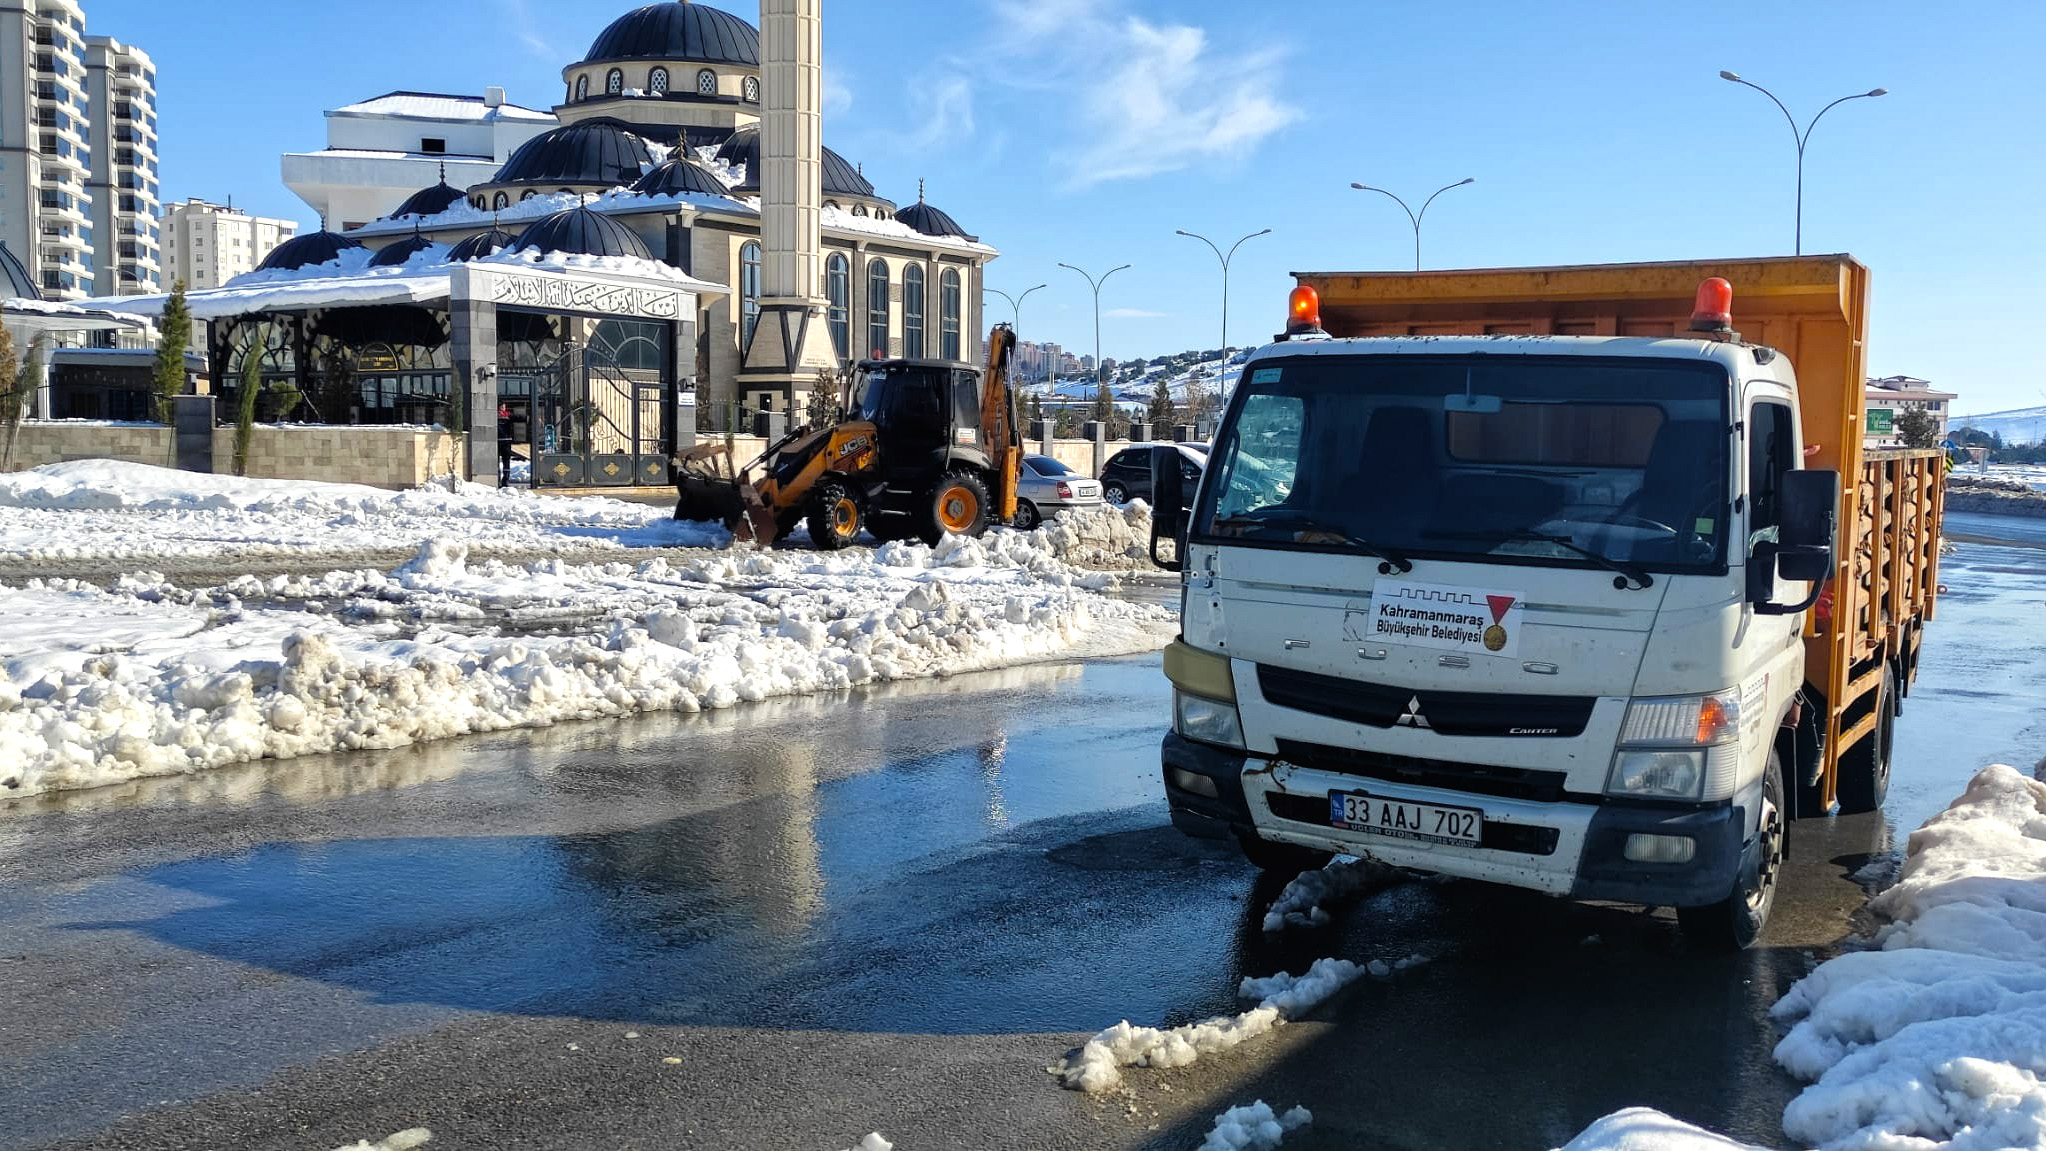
[1224,368]
[1802,137]
[1412,215]
[1096,285]
[1015,307]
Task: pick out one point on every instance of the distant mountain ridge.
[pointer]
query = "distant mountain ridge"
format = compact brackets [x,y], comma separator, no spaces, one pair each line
[2016,426]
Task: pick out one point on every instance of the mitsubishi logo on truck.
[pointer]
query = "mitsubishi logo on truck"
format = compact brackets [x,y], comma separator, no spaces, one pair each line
[1413,717]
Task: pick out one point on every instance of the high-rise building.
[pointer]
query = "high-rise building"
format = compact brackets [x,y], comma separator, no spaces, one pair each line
[77,153]
[205,245]
[126,202]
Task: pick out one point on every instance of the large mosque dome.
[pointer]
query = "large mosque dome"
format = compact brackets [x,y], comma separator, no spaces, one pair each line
[678,30]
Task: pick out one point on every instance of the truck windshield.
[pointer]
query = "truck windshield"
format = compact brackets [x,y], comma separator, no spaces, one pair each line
[1573,462]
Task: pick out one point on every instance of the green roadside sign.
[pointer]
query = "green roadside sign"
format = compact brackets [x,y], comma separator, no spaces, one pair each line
[1881,421]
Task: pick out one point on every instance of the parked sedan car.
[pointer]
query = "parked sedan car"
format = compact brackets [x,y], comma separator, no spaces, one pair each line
[1127,474]
[1045,487]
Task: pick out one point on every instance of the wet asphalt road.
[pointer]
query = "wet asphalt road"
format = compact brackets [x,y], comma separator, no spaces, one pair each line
[888,912]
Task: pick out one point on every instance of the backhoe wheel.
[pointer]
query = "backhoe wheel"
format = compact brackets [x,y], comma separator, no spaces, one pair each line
[1734,923]
[959,507]
[835,516]
[1865,767]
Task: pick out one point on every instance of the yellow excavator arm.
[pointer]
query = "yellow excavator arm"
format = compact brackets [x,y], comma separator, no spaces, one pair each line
[999,428]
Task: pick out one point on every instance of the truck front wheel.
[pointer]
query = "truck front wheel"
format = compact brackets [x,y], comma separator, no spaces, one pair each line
[1284,859]
[1734,923]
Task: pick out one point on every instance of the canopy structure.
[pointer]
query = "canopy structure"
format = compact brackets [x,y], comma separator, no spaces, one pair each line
[584,365]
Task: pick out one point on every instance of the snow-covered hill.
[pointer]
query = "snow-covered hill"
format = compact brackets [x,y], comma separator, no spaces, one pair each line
[2017,426]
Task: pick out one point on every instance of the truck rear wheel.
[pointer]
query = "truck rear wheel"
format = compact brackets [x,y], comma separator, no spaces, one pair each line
[958,507]
[1734,923]
[835,516]
[1865,768]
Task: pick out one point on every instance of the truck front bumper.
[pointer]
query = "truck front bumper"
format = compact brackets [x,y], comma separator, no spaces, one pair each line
[1206,768]
[1605,872]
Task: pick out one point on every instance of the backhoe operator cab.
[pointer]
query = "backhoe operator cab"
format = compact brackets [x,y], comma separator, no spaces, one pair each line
[927,419]
[1524,609]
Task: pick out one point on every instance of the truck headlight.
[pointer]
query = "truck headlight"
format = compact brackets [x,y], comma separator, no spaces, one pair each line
[1207,720]
[1682,747]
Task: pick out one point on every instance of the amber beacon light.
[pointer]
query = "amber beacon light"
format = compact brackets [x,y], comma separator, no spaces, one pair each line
[1714,309]
[1303,311]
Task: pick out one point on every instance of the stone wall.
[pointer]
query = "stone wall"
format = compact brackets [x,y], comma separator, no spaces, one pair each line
[384,457]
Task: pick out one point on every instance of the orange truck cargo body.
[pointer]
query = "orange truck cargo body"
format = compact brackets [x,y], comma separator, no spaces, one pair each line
[1813,309]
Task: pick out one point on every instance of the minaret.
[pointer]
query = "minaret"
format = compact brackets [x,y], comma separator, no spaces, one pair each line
[791,343]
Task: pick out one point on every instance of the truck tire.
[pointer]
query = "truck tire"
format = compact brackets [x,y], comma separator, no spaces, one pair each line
[958,506]
[1734,923]
[1865,768]
[835,516]
[1282,859]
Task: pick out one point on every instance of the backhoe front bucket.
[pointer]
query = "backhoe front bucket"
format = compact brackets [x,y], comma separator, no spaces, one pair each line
[701,497]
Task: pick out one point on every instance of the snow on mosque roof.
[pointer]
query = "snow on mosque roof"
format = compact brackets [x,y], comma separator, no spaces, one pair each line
[308,250]
[438,106]
[742,148]
[680,30]
[581,232]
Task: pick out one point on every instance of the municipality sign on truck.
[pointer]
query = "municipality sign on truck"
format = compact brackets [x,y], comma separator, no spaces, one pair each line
[1444,618]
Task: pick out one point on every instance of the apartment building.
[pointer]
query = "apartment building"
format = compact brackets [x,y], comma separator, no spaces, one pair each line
[126,201]
[207,244]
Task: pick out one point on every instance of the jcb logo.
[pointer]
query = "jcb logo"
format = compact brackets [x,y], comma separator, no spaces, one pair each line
[853,447]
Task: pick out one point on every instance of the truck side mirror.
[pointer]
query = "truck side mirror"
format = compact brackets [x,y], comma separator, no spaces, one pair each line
[1168,505]
[1810,514]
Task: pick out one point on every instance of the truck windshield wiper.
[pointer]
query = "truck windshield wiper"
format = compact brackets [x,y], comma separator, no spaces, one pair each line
[1308,525]
[1632,571]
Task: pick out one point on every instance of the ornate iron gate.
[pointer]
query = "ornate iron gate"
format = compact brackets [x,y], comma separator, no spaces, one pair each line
[597,421]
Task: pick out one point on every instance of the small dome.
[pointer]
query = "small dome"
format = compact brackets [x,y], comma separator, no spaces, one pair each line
[599,152]
[309,250]
[932,221]
[678,31]
[429,201]
[480,245]
[581,232]
[14,278]
[677,177]
[396,255]
[840,177]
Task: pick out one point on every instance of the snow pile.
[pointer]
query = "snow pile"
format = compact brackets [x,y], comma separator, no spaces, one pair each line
[148,679]
[1097,1066]
[1305,901]
[1940,1035]
[873,1142]
[111,510]
[1935,1040]
[1105,536]
[1253,1127]
[402,1141]
[1646,1129]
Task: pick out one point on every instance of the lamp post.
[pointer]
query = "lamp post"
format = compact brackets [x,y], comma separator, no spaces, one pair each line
[1416,217]
[1221,371]
[1802,137]
[1096,285]
[1016,306]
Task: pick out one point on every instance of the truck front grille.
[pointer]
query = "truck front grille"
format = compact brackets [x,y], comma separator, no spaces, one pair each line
[1519,838]
[1476,779]
[1445,712]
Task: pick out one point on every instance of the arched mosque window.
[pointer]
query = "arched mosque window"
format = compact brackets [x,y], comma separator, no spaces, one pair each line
[657,82]
[614,83]
[948,315]
[838,291]
[749,291]
[913,311]
[706,83]
[877,308]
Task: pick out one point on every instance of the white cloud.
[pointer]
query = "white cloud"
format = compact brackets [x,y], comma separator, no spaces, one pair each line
[1140,98]
[520,17]
[838,95]
[1133,314]
[944,115]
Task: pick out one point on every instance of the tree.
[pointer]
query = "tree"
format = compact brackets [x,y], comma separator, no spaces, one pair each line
[824,405]
[245,410]
[19,387]
[1161,405]
[1917,428]
[174,335]
[1104,404]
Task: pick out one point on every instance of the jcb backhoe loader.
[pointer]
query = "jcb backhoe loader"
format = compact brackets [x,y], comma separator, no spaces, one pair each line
[926,448]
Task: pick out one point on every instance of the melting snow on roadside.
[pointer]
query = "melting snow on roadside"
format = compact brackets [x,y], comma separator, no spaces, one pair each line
[873,1142]
[402,1141]
[1646,1129]
[1098,1065]
[148,678]
[1306,900]
[1253,1127]
[1935,1039]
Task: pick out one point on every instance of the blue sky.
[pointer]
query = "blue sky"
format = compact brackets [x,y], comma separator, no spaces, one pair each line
[1088,130]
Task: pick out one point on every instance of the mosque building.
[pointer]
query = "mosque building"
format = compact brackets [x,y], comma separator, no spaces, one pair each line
[659,136]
